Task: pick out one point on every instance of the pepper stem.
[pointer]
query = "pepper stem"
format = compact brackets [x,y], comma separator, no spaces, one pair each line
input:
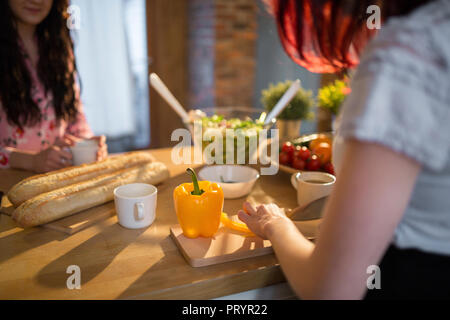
[197,191]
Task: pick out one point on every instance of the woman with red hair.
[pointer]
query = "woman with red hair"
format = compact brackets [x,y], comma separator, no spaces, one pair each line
[390,206]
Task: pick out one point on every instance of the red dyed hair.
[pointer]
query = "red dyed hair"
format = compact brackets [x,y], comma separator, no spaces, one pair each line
[327,36]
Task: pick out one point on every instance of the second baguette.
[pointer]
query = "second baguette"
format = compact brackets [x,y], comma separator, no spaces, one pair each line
[35,185]
[68,200]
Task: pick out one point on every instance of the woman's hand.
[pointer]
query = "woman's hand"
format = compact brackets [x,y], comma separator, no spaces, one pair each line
[52,158]
[102,152]
[263,220]
[69,140]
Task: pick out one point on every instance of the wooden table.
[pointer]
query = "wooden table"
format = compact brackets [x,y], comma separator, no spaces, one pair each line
[118,263]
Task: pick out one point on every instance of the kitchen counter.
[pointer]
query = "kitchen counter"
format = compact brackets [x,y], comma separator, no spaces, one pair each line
[118,263]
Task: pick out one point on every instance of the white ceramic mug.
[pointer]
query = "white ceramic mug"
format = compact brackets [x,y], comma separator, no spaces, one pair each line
[312,185]
[84,151]
[135,205]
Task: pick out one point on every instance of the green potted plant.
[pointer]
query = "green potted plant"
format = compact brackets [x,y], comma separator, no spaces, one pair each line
[289,120]
[332,96]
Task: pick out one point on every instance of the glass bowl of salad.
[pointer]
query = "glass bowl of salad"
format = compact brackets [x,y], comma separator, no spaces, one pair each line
[245,123]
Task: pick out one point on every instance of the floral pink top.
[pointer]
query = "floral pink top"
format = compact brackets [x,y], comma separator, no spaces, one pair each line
[44,133]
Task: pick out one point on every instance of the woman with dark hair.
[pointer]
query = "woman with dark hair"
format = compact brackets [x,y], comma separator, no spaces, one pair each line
[40,109]
[390,206]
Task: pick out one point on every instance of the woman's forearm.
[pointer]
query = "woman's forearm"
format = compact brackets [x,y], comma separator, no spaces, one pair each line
[293,251]
[20,159]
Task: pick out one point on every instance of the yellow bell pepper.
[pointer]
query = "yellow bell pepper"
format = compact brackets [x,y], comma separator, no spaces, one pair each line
[198,206]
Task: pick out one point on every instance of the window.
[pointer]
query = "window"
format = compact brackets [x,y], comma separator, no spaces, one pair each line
[111,53]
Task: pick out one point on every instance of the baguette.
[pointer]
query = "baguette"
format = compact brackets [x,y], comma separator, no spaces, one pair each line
[35,185]
[74,198]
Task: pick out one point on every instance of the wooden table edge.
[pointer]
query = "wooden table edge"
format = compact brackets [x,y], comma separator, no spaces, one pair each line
[218,287]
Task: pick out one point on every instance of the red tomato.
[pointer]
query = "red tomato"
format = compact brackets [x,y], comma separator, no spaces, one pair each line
[313,163]
[296,152]
[328,167]
[285,159]
[288,148]
[298,164]
[304,153]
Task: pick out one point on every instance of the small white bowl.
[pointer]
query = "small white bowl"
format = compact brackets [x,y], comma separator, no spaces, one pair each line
[243,179]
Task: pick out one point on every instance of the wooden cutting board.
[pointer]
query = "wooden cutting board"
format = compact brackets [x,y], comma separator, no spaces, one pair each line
[225,246]
[228,245]
[73,223]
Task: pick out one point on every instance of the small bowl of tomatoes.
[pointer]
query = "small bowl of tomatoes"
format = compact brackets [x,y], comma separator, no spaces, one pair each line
[311,152]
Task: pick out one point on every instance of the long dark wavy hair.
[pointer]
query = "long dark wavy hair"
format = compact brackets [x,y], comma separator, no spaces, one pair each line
[56,67]
[329,35]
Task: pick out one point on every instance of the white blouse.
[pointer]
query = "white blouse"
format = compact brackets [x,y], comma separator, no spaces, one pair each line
[401,99]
